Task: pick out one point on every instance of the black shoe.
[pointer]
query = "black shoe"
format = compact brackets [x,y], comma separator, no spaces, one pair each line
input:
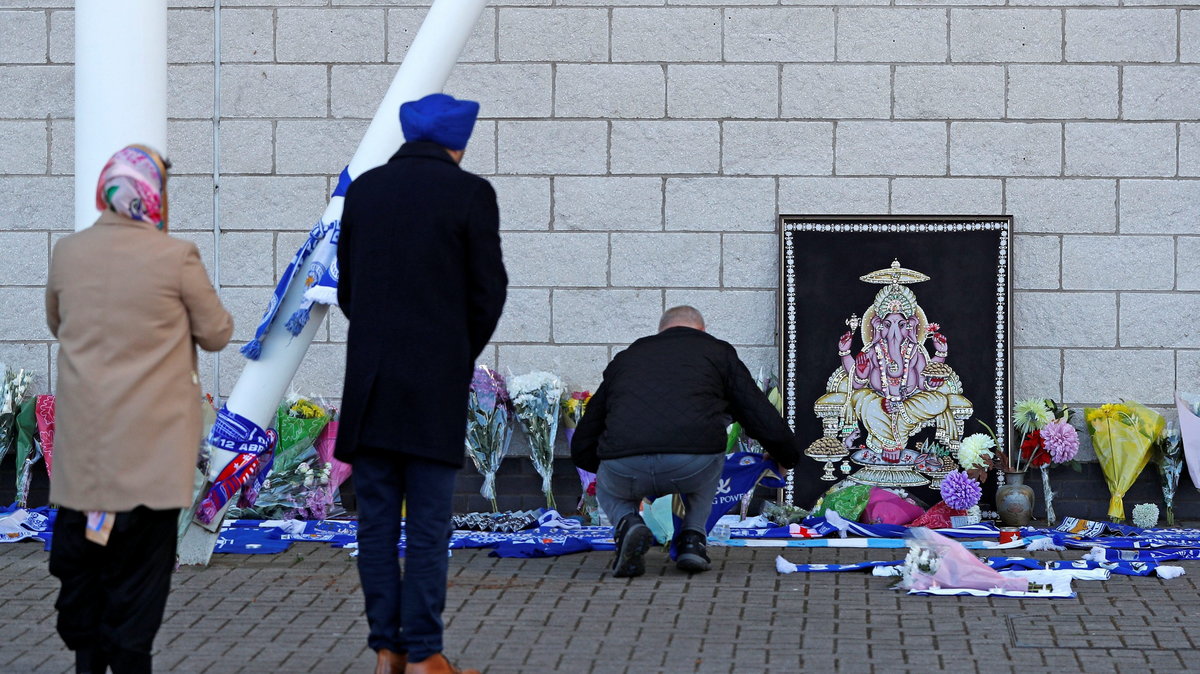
[633,539]
[690,552]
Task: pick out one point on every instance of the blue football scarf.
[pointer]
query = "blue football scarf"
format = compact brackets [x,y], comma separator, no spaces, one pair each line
[743,471]
[250,541]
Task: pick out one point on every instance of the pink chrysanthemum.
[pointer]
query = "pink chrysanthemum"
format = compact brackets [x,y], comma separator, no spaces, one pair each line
[960,491]
[1061,440]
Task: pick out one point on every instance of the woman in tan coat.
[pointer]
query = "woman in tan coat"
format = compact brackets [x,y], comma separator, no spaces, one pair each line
[128,304]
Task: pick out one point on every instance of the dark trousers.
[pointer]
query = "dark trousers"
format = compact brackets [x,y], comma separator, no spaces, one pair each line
[622,483]
[404,611]
[113,596]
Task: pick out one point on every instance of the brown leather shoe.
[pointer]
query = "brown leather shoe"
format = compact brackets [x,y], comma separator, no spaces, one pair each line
[436,664]
[390,662]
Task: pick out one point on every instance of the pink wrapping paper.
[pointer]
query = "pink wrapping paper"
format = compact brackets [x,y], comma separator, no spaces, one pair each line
[45,421]
[960,568]
[324,444]
[1189,429]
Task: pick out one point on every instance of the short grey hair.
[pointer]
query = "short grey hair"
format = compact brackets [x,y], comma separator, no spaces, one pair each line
[681,315]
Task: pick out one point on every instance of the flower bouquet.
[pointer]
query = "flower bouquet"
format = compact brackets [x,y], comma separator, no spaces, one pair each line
[935,561]
[1123,436]
[28,446]
[535,399]
[1048,438]
[1188,405]
[489,430]
[1169,458]
[14,388]
[573,407]
[291,481]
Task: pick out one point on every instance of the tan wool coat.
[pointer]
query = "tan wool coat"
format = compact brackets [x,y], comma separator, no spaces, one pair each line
[128,304]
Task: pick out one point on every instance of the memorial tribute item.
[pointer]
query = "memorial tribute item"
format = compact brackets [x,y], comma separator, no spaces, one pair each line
[535,400]
[489,427]
[883,298]
[1123,435]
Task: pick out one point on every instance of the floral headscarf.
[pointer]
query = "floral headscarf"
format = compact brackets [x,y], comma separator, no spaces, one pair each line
[133,183]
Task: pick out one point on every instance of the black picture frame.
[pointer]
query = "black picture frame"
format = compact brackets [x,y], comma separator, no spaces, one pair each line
[968,293]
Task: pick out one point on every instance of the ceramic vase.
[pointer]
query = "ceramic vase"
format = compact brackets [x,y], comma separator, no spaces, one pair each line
[1014,501]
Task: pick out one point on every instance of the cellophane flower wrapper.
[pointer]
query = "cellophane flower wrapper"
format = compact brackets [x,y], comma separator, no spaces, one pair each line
[325,444]
[28,448]
[298,421]
[1123,436]
[573,407]
[1169,459]
[935,561]
[489,427]
[535,399]
[45,421]
[14,388]
[1188,405]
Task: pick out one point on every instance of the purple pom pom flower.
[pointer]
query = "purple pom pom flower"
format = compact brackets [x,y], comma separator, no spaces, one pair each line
[960,491]
[1061,440]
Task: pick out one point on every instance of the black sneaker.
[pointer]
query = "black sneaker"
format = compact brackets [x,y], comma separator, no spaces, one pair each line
[690,552]
[633,539]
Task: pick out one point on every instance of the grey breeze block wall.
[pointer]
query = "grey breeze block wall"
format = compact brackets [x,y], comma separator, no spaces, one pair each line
[642,150]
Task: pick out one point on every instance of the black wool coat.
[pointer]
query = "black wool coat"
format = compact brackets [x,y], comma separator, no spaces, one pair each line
[674,393]
[422,281]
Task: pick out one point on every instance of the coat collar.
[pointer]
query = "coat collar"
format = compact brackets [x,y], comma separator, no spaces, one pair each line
[424,149]
[109,217]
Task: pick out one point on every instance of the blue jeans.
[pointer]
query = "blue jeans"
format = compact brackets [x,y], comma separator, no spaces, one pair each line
[622,483]
[404,611]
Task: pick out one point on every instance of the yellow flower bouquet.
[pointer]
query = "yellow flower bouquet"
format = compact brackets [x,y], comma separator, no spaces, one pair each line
[1123,436]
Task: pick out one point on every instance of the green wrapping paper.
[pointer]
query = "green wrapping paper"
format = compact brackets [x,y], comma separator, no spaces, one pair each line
[28,447]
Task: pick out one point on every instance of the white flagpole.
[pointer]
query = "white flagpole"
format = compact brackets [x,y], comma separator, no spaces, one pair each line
[120,88]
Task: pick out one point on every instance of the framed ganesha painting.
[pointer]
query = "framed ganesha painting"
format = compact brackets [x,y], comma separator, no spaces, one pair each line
[896,344]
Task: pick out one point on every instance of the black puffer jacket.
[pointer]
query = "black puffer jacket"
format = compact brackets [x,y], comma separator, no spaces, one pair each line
[674,393]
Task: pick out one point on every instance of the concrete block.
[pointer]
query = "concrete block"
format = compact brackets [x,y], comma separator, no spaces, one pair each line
[246,146]
[248,258]
[750,261]
[1117,35]
[837,91]
[892,35]
[274,90]
[1036,262]
[1005,148]
[1121,262]
[190,147]
[45,202]
[1161,92]
[673,35]
[891,148]
[1187,369]
[24,315]
[658,147]
[62,146]
[524,202]
[666,260]
[246,305]
[24,147]
[553,35]
[1143,324]
[1063,92]
[947,195]
[526,316]
[322,146]
[1070,206]
[721,204]
[275,202]
[949,92]
[1160,206]
[556,259]
[357,90]
[286,245]
[777,148]
[1189,36]
[204,244]
[608,204]
[190,36]
[1189,150]
[760,359]
[1120,149]
[1037,373]
[192,203]
[1064,319]
[23,36]
[34,92]
[811,196]
[580,367]
[740,317]
[1187,263]
[553,147]
[609,91]
[723,91]
[190,91]
[481,152]
[330,35]
[779,34]
[604,316]
[247,35]
[1095,376]
[339,329]
[62,36]
[404,23]
[504,89]
[323,369]
[1005,35]
[27,258]
[32,357]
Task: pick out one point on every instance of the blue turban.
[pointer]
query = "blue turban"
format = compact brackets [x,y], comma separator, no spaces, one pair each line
[439,118]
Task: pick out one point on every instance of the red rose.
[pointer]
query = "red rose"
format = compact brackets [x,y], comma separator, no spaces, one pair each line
[591,489]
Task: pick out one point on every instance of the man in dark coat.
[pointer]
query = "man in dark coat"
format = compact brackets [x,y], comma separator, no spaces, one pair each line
[422,281]
[656,426]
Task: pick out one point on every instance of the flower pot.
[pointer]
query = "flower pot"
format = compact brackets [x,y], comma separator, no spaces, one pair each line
[1014,501]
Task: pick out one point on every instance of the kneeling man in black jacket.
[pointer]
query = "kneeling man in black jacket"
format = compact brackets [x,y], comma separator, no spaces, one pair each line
[656,426]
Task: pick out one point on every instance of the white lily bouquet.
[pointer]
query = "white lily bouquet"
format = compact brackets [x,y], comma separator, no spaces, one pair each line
[15,387]
[535,399]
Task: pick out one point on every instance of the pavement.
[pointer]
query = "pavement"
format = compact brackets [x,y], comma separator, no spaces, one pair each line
[302,611]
